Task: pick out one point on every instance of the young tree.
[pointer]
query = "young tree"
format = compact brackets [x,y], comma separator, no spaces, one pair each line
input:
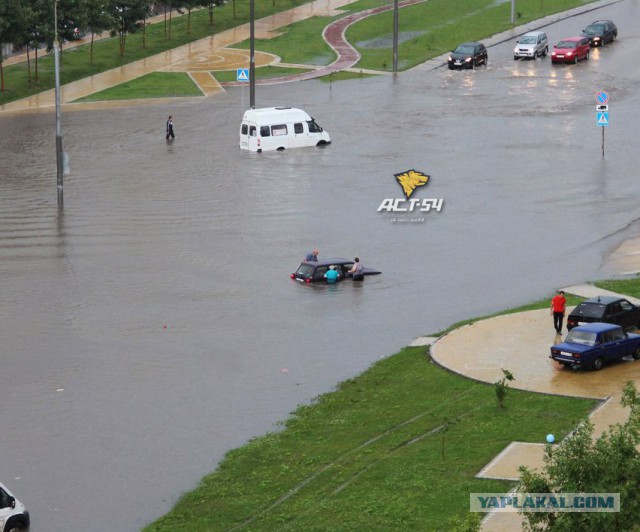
[610,464]
[99,19]
[5,24]
[128,15]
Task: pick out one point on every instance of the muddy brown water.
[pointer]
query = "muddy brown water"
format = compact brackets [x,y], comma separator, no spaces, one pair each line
[150,325]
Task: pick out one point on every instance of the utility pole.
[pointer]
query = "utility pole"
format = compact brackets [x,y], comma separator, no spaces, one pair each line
[252,56]
[395,35]
[59,154]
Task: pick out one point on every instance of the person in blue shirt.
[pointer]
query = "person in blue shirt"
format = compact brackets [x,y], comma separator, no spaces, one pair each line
[331,275]
[312,257]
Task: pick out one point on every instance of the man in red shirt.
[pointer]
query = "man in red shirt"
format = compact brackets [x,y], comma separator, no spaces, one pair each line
[558,304]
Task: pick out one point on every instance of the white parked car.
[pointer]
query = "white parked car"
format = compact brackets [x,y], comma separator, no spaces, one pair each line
[531,45]
[13,515]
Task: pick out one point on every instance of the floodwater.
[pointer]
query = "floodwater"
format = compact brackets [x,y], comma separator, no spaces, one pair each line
[151,325]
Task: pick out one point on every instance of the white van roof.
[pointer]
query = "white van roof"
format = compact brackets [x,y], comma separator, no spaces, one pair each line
[274,115]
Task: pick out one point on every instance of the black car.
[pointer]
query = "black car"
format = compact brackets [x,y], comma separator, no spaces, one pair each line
[601,32]
[607,309]
[313,272]
[468,55]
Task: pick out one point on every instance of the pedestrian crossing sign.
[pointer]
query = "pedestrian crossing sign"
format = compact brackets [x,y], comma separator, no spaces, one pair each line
[602,118]
[243,74]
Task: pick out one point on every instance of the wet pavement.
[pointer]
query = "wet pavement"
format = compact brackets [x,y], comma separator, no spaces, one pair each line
[148,325]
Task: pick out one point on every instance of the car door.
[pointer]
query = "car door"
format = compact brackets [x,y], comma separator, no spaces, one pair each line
[585,47]
[621,346]
[612,313]
[482,54]
[628,315]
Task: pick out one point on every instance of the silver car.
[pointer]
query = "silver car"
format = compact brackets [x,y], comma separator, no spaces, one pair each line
[531,45]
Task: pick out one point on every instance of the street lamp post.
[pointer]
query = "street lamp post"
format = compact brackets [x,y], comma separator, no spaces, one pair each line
[252,56]
[56,62]
[395,36]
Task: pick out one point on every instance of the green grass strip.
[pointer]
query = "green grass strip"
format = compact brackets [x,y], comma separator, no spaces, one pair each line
[395,448]
[154,85]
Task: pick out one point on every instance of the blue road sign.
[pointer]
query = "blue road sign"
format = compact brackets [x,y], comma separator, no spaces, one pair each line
[243,74]
[602,118]
[602,97]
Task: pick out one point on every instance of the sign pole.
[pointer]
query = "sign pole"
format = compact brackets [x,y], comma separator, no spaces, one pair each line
[602,112]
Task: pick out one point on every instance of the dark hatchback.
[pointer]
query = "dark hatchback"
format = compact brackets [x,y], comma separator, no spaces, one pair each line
[607,309]
[601,32]
[313,272]
[468,55]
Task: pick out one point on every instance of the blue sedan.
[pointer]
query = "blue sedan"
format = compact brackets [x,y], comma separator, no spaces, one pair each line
[594,344]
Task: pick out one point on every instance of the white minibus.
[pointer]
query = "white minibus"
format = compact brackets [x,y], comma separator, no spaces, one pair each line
[278,128]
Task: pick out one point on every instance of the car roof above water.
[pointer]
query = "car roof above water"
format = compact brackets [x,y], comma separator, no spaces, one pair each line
[329,262]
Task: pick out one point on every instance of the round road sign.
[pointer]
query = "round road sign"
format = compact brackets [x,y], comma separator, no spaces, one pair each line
[602,97]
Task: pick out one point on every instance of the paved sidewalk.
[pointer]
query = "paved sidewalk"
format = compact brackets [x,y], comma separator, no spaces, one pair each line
[211,52]
[520,342]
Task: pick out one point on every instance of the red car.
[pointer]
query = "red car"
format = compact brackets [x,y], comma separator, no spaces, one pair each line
[571,50]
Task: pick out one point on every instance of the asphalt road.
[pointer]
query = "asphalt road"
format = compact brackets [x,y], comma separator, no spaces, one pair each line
[151,325]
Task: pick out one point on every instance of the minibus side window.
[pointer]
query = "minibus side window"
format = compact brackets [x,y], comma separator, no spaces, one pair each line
[264,131]
[313,127]
[297,128]
[279,130]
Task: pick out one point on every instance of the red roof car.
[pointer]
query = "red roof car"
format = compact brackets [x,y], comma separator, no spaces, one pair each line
[571,50]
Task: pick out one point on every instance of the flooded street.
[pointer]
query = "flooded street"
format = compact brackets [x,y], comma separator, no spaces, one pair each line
[151,325]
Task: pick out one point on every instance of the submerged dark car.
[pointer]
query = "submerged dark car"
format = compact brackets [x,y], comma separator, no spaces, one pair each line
[608,309]
[601,32]
[594,344]
[313,272]
[468,55]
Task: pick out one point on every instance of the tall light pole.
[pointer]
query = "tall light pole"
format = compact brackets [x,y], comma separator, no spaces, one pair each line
[56,62]
[395,36]
[252,56]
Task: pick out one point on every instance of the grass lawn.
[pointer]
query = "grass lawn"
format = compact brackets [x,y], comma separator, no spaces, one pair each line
[76,63]
[396,448]
[154,85]
[427,30]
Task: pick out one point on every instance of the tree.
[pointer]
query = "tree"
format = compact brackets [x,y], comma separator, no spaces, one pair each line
[99,19]
[501,386]
[128,15]
[5,24]
[610,464]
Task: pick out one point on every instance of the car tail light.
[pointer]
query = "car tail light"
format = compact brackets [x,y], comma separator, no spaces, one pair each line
[258,141]
[293,275]
[307,280]
[554,351]
[576,355]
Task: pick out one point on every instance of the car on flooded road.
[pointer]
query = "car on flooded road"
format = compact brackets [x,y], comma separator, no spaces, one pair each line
[531,45]
[594,344]
[313,272]
[601,32]
[468,55]
[571,50]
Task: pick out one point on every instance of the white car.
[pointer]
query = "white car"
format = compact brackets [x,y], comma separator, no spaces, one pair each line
[531,45]
[13,515]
